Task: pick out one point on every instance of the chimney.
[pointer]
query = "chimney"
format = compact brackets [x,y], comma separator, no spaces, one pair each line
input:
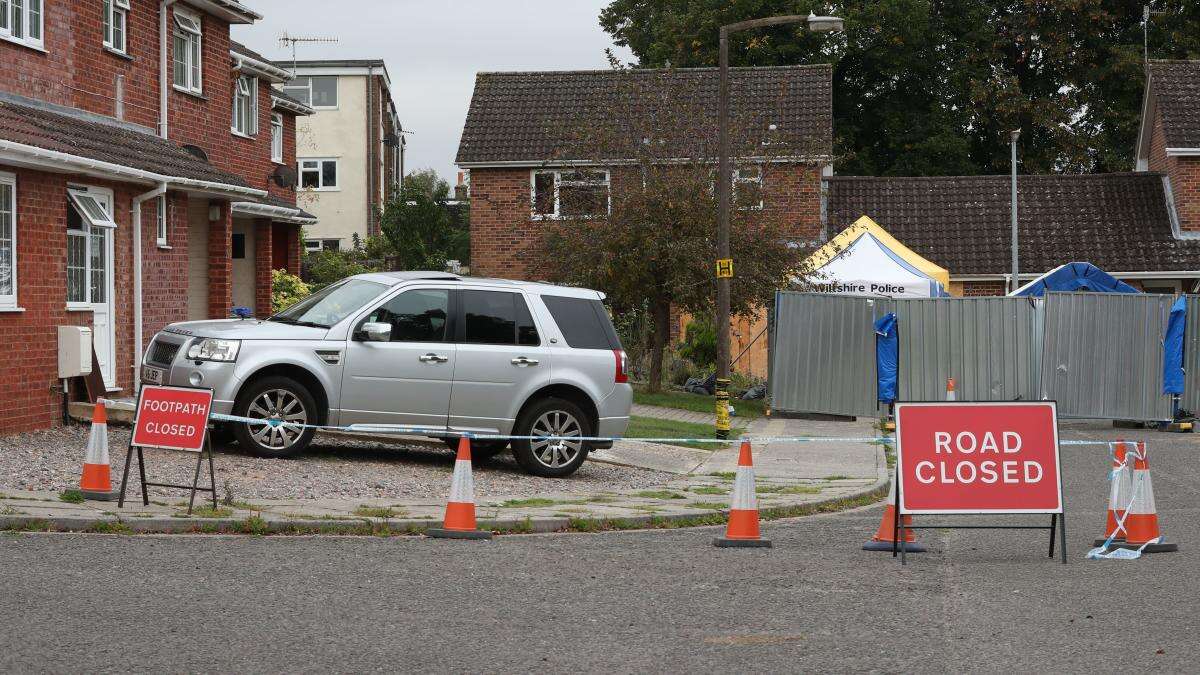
[462,189]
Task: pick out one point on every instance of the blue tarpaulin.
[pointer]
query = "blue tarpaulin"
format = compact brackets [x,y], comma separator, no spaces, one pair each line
[1173,348]
[1076,276]
[887,356]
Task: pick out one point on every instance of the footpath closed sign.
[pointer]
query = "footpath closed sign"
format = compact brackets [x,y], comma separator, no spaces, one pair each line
[995,457]
[173,418]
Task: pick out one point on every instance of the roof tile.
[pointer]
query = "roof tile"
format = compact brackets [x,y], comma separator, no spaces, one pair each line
[1176,87]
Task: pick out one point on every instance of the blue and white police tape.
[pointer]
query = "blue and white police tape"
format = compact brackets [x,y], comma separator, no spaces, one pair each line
[408,430]
[1101,552]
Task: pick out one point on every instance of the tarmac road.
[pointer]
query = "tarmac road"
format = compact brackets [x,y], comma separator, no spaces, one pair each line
[635,601]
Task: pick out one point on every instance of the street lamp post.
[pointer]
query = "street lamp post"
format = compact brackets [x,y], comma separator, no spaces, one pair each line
[1014,135]
[815,24]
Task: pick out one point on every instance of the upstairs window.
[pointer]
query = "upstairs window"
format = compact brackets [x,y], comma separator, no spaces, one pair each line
[319,91]
[116,21]
[21,21]
[277,138]
[188,61]
[318,174]
[570,194]
[245,106]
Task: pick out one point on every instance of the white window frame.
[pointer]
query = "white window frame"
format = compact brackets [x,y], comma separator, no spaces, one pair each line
[245,106]
[189,28]
[23,22]
[114,10]
[277,138]
[161,222]
[86,201]
[320,174]
[559,182]
[337,91]
[757,179]
[8,301]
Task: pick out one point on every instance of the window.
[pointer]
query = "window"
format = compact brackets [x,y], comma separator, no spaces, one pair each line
[245,106]
[88,224]
[21,21]
[8,241]
[332,303]
[237,246]
[116,21]
[416,316]
[497,318]
[584,322]
[570,194]
[162,220]
[277,138]
[319,91]
[318,174]
[188,60]
[747,187]
[322,244]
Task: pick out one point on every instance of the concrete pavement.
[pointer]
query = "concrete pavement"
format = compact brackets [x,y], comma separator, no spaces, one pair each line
[649,601]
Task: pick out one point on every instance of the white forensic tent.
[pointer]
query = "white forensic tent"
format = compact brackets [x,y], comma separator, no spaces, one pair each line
[865,260]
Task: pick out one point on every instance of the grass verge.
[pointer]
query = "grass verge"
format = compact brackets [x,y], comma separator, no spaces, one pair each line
[652,427]
[683,400]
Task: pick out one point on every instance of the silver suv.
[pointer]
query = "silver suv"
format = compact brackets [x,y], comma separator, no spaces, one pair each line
[423,349]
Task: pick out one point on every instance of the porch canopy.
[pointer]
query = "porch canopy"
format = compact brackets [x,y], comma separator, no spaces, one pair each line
[1074,276]
[865,260]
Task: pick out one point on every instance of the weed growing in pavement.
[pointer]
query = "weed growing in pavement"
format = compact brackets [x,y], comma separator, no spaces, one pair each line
[71,496]
[531,501]
[210,512]
[109,527]
[715,506]
[709,490]
[10,511]
[725,475]
[522,527]
[601,499]
[254,525]
[33,526]
[367,511]
[788,489]
[660,494]
[836,476]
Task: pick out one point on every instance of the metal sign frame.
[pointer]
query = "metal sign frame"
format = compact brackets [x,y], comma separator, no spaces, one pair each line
[205,451]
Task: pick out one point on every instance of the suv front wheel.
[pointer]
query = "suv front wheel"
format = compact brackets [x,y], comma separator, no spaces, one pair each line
[275,398]
[551,417]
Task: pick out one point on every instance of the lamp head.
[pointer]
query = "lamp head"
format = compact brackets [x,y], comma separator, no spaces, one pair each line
[823,24]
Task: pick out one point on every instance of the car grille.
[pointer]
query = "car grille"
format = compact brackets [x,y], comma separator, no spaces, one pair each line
[163,353]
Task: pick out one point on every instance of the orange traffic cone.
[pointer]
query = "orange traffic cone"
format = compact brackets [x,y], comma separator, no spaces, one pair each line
[885,536]
[459,522]
[950,395]
[742,531]
[1141,523]
[96,482]
[1118,497]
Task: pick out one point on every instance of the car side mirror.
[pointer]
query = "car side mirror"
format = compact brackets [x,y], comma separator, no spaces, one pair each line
[374,331]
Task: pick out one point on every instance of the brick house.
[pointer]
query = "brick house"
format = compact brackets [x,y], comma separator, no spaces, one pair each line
[517,125]
[140,182]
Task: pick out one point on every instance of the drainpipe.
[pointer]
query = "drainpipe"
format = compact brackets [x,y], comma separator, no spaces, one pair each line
[164,88]
[372,150]
[137,279]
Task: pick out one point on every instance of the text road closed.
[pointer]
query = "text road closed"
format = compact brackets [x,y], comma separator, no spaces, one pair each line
[172,417]
[978,457]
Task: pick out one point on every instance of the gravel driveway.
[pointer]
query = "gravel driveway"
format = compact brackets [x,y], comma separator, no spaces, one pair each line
[331,468]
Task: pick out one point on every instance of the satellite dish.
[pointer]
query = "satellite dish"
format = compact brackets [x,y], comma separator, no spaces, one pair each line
[284,176]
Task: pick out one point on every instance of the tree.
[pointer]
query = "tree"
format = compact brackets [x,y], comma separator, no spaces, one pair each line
[931,87]
[419,226]
[649,239]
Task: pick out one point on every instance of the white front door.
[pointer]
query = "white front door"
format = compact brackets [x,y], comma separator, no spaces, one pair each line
[90,271]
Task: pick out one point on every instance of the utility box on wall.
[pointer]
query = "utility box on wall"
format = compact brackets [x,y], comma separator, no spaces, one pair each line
[74,351]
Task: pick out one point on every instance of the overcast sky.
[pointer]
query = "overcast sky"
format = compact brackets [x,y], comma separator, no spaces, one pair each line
[433,50]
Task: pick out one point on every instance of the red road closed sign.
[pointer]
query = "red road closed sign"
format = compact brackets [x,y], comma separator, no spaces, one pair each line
[999,457]
[172,417]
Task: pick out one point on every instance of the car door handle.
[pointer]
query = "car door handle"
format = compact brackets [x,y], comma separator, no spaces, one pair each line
[522,361]
[433,358]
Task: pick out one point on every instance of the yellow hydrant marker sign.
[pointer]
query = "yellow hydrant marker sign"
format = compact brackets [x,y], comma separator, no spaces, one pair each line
[725,268]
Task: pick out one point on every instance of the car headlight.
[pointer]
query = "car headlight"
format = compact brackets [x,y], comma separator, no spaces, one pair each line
[214,349]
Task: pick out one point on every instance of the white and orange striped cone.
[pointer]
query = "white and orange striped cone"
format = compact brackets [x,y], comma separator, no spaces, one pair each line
[1141,523]
[886,534]
[950,395]
[742,530]
[1118,496]
[459,522]
[96,482]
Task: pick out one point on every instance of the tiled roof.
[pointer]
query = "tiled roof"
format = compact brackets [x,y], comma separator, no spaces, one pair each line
[526,116]
[106,141]
[239,48]
[274,200]
[1176,87]
[1118,222]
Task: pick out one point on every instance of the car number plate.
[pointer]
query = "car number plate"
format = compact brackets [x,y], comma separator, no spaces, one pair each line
[153,375]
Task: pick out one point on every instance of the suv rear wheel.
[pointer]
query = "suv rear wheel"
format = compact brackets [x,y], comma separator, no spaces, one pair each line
[275,398]
[551,417]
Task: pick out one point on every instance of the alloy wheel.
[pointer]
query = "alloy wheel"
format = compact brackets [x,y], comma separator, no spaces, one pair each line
[277,406]
[560,452]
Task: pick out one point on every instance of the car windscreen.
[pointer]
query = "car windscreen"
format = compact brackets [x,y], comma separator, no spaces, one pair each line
[330,305]
[584,322]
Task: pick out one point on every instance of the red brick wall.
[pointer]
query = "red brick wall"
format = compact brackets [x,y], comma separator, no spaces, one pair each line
[1185,177]
[971,289]
[262,267]
[220,264]
[29,363]
[164,270]
[503,237]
